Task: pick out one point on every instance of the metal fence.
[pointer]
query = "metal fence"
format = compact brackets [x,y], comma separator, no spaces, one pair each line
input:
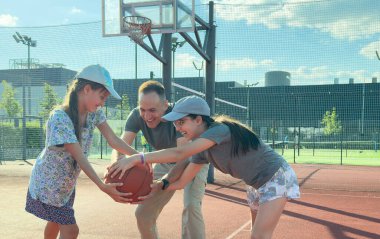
[267,76]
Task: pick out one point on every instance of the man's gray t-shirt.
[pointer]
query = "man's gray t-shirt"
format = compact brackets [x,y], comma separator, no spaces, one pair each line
[255,168]
[162,137]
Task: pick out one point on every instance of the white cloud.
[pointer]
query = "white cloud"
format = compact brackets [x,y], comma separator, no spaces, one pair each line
[323,75]
[369,50]
[75,10]
[184,60]
[342,19]
[238,63]
[311,76]
[241,63]
[266,63]
[359,76]
[7,20]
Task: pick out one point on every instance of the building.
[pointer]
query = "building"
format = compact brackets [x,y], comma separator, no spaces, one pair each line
[270,107]
[34,80]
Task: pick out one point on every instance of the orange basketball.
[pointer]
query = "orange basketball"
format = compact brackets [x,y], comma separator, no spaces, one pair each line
[136,180]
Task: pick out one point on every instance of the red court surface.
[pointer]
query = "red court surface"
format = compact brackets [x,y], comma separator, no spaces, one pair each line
[337,202]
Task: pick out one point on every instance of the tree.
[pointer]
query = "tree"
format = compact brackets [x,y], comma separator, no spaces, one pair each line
[49,101]
[123,109]
[332,125]
[8,101]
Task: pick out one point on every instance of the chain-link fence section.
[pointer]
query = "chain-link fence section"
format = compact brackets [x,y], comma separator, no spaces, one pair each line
[294,94]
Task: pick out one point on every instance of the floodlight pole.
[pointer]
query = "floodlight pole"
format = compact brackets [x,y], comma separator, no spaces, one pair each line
[175,44]
[167,64]
[136,61]
[29,80]
[363,104]
[248,111]
[26,40]
[198,68]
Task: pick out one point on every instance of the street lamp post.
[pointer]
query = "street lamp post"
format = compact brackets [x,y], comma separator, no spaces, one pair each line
[136,61]
[175,44]
[199,69]
[248,111]
[363,103]
[26,40]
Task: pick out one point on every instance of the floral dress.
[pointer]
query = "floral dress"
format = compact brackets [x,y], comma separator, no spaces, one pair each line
[52,183]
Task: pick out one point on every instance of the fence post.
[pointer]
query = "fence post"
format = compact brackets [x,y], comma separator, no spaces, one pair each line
[42,134]
[341,147]
[313,140]
[294,145]
[2,143]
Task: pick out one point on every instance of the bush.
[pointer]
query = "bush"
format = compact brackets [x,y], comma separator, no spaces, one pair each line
[11,139]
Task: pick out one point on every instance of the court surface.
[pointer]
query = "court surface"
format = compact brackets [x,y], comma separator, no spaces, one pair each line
[337,202]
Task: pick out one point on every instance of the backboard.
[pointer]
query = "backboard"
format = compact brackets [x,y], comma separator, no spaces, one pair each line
[167,16]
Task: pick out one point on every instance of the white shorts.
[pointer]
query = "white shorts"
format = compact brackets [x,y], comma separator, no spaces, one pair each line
[283,184]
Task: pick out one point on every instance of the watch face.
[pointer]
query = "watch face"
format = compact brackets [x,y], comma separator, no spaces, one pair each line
[165,184]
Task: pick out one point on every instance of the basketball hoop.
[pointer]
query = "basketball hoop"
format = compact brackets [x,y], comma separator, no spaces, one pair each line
[137,27]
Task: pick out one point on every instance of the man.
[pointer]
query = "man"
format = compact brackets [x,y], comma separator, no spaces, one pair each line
[160,135]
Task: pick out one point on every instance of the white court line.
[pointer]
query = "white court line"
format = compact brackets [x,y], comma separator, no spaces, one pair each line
[231,200]
[238,230]
[334,195]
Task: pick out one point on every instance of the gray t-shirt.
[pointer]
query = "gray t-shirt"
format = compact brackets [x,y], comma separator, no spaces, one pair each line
[255,168]
[162,137]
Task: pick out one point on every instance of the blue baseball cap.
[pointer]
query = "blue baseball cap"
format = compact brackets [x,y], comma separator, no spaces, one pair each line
[99,74]
[186,106]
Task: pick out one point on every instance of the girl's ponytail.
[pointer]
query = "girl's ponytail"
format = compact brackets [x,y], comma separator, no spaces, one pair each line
[70,105]
[243,139]
[73,114]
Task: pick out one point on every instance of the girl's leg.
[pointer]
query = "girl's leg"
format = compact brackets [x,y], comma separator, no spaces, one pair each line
[51,230]
[267,218]
[253,217]
[69,231]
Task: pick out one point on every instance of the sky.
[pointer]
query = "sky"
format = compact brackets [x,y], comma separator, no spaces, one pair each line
[315,40]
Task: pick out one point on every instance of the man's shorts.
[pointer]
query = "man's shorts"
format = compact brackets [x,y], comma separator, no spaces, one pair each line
[283,184]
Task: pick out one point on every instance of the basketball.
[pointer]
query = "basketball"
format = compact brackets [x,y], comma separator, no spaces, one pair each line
[136,180]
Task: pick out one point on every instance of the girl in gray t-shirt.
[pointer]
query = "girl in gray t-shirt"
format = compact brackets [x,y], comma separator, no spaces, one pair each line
[233,149]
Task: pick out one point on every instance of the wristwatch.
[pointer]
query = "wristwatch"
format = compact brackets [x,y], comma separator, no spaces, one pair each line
[165,184]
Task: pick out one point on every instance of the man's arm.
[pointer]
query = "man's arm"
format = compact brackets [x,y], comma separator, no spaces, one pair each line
[188,174]
[127,137]
[179,167]
[172,176]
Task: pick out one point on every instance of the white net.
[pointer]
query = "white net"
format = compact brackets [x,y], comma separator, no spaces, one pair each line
[137,27]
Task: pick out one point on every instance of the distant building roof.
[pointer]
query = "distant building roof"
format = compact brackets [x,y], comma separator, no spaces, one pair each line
[38,76]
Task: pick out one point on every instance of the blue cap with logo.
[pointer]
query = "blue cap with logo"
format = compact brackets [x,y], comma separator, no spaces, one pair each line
[99,74]
[188,105]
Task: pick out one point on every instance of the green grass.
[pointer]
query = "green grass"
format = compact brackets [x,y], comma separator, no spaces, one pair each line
[333,156]
[321,156]
[106,157]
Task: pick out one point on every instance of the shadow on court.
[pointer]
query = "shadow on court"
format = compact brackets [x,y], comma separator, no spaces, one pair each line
[323,211]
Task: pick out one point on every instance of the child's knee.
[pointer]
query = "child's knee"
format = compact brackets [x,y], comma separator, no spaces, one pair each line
[144,216]
[139,213]
[69,232]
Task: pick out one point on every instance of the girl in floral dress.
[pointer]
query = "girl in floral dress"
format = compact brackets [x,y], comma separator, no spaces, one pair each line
[69,132]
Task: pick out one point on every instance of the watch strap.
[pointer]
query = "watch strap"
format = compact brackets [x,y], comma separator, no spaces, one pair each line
[165,184]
